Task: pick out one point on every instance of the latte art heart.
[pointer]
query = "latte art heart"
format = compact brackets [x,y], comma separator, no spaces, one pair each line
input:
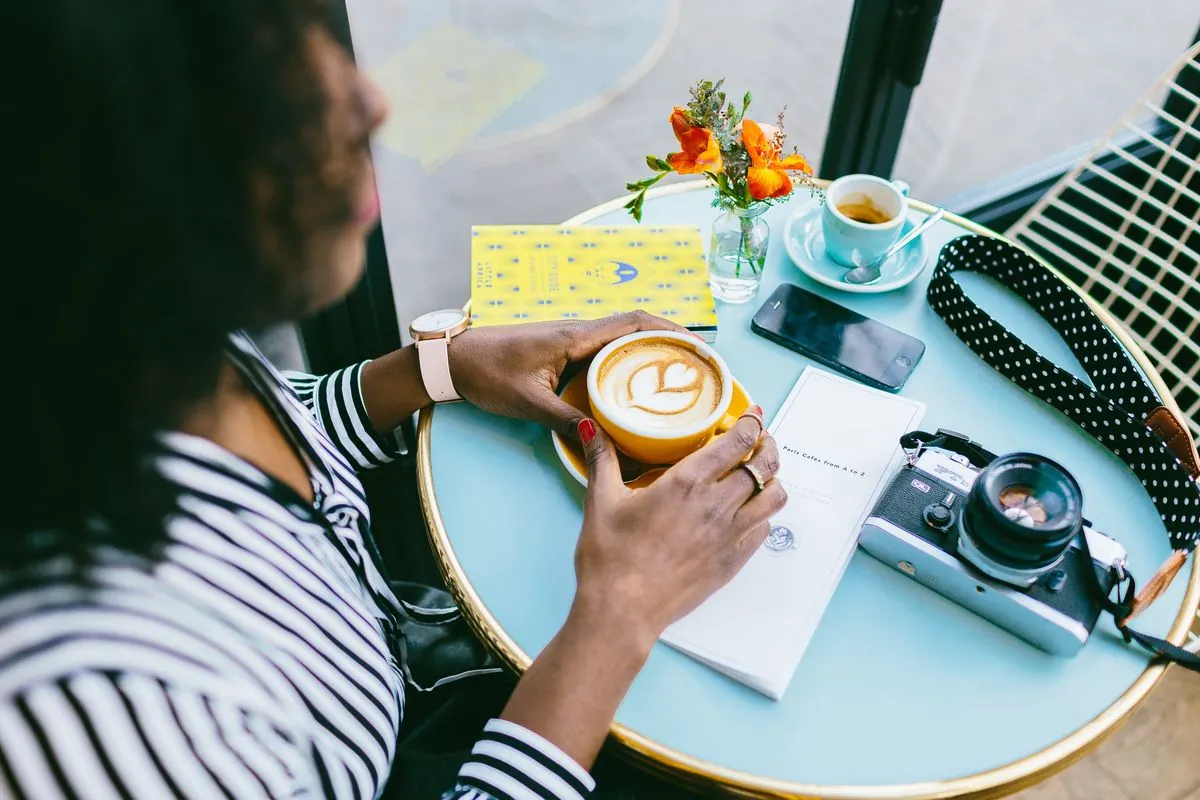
[659,384]
[664,388]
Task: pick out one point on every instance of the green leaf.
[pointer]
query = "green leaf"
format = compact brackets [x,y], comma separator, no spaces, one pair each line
[644,183]
[722,181]
[657,164]
[634,206]
[746,101]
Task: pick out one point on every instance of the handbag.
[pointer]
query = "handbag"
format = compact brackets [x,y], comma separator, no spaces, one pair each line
[1121,409]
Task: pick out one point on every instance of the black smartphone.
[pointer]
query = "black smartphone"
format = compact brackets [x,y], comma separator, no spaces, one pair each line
[862,348]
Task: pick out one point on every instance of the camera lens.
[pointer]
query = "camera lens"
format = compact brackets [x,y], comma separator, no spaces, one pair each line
[1020,517]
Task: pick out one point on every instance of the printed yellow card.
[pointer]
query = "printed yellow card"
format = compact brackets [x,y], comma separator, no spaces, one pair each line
[530,273]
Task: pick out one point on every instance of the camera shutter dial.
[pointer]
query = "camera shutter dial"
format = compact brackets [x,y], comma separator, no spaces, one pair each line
[938,516]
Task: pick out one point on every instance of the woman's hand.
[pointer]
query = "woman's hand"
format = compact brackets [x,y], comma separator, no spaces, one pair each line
[652,555]
[515,370]
[645,558]
[512,370]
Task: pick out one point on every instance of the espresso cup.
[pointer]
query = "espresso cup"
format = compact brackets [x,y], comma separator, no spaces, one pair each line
[862,218]
[660,395]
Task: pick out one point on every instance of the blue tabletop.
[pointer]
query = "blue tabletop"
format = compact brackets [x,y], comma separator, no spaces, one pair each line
[899,685]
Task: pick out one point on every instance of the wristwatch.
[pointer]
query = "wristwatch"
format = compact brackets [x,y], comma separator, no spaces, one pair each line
[432,333]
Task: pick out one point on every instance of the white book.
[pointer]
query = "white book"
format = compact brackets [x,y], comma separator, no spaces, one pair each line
[838,448]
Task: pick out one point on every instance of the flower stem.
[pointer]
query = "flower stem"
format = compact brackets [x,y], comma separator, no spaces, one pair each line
[745,245]
[737,273]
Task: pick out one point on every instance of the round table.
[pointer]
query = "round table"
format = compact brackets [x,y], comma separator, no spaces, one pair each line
[901,693]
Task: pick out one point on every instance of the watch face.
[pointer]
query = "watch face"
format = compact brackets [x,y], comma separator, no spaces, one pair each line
[436,321]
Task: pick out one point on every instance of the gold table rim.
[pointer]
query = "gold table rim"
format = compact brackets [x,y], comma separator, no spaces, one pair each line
[995,782]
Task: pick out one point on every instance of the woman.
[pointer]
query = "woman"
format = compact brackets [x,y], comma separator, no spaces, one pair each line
[190,603]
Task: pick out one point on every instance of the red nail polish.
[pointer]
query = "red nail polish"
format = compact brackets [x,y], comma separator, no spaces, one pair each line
[757,411]
[587,430]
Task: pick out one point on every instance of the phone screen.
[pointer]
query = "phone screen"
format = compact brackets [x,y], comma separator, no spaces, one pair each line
[838,337]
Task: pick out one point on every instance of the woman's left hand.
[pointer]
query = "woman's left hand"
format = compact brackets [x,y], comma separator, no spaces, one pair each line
[515,370]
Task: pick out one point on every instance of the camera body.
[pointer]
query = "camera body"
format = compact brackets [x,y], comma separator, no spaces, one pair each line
[981,535]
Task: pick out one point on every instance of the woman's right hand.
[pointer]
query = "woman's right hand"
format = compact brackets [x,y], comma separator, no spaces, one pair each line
[645,558]
[652,555]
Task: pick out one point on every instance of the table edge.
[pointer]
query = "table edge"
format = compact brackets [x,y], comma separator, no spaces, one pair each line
[995,782]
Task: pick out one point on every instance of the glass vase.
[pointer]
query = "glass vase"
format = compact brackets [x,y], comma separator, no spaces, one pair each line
[738,253]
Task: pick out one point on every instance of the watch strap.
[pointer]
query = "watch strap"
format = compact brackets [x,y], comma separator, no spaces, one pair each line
[433,355]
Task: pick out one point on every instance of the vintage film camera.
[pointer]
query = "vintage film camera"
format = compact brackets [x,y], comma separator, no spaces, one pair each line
[1002,536]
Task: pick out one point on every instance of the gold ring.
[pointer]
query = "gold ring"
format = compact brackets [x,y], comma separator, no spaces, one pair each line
[759,483]
[750,415]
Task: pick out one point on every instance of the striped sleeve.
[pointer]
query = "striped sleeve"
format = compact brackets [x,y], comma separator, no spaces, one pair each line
[336,402]
[510,762]
[100,735]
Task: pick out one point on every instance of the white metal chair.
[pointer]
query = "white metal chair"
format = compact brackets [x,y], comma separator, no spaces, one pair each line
[1124,224]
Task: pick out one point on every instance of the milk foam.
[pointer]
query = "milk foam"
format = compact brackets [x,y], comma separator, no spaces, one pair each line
[658,384]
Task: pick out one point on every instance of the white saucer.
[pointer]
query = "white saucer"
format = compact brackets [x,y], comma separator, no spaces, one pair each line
[805,242]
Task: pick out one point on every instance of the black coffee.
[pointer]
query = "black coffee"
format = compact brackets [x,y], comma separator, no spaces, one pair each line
[861,208]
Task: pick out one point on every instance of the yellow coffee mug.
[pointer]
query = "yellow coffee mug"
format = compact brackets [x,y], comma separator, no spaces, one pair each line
[652,446]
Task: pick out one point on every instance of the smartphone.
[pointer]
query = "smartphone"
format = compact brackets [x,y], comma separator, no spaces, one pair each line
[862,348]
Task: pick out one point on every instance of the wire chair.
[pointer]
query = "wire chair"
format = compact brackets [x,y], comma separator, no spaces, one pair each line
[1124,224]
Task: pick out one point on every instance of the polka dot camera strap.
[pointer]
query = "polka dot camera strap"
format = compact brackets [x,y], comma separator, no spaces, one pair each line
[1123,411]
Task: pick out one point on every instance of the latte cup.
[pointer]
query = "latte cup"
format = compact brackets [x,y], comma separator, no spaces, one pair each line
[660,395]
[852,242]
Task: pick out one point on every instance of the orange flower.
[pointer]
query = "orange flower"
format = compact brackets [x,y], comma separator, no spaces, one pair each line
[700,150]
[767,176]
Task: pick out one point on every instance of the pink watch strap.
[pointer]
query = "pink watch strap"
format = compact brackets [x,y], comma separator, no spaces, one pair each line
[434,357]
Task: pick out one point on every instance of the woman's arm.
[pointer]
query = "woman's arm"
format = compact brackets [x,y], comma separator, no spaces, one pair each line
[392,388]
[559,714]
[337,403]
[644,560]
[571,693]
[512,370]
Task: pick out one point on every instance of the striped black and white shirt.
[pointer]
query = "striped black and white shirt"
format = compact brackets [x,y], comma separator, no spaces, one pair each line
[252,659]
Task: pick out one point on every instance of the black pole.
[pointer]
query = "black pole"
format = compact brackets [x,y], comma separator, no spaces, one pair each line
[887,45]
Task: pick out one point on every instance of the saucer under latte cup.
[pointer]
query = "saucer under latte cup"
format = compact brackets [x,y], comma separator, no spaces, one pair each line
[863,216]
[660,395]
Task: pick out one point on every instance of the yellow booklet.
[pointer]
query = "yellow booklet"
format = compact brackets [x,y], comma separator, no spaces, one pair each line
[531,273]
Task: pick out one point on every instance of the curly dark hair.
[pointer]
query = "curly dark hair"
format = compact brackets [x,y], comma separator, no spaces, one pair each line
[139,126]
